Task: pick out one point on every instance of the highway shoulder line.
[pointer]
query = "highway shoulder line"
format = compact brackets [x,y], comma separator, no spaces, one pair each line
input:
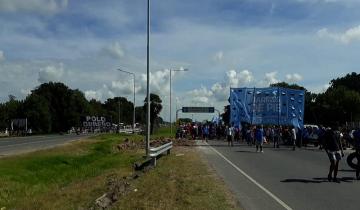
[282,203]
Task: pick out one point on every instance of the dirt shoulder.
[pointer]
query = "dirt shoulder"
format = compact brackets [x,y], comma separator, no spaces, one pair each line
[181,180]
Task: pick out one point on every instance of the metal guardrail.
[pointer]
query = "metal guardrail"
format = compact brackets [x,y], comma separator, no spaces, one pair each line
[156,151]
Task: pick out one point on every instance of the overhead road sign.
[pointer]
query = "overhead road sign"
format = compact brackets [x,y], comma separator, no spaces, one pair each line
[198,109]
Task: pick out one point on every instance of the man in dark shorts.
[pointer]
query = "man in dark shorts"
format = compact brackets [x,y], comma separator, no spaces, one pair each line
[230,135]
[332,146]
[259,138]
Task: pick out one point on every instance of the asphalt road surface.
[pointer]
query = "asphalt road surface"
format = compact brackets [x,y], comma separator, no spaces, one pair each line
[282,178]
[16,145]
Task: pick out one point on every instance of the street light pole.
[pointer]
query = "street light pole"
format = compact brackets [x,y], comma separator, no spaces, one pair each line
[170,106]
[133,124]
[119,115]
[170,94]
[147,146]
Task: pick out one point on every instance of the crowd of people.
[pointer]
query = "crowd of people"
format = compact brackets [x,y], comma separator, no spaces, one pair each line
[331,139]
[250,134]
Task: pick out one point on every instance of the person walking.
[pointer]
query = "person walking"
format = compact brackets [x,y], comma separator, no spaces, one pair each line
[205,133]
[332,146]
[277,136]
[230,135]
[293,137]
[259,139]
[356,135]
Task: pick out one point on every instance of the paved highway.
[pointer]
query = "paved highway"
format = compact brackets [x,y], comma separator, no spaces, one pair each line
[281,178]
[16,145]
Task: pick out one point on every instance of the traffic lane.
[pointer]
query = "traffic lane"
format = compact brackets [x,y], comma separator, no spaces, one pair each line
[249,196]
[10,140]
[299,177]
[45,143]
[29,139]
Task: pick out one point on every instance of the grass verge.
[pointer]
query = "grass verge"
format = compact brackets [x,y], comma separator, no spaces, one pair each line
[180,181]
[41,179]
[73,176]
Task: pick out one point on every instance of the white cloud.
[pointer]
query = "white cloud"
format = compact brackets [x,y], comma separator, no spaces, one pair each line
[236,79]
[218,57]
[352,34]
[159,82]
[293,78]
[325,87]
[200,96]
[319,89]
[37,6]
[324,1]
[125,87]
[25,92]
[115,51]
[2,56]
[219,91]
[51,73]
[270,78]
[91,94]
[100,95]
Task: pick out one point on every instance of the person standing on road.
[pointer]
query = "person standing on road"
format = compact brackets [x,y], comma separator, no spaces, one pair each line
[259,138]
[332,146]
[277,136]
[230,135]
[205,133]
[293,137]
[356,135]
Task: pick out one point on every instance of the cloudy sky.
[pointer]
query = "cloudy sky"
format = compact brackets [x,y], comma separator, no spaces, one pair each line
[223,43]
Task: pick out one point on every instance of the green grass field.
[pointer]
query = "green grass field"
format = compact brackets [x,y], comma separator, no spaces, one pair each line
[24,178]
[74,175]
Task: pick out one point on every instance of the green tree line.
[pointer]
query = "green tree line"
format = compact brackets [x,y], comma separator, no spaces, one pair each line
[54,107]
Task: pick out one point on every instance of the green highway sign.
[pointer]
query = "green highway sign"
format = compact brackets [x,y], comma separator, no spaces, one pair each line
[198,109]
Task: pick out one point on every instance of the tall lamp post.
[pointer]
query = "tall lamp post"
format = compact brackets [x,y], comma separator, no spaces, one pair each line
[171,70]
[119,117]
[133,124]
[147,139]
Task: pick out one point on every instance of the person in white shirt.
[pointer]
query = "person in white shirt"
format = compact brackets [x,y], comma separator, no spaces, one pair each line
[293,137]
[230,135]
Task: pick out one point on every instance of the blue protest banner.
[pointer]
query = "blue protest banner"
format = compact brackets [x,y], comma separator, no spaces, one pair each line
[267,106]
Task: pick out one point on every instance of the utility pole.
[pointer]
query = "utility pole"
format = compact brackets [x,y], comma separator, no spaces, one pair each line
[147,146]
[119,114]
[133,126]
[181,69]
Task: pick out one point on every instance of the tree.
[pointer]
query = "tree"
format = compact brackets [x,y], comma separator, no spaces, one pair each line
[111,106]
[77,107]
[226,115]
[350,81]
[140,115]
[96,108]
[58,97]
[338,105]
[66,106]
[287,85]
[155,109]
[37,111]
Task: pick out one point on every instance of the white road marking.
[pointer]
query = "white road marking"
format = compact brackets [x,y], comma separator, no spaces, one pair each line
[282,203]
